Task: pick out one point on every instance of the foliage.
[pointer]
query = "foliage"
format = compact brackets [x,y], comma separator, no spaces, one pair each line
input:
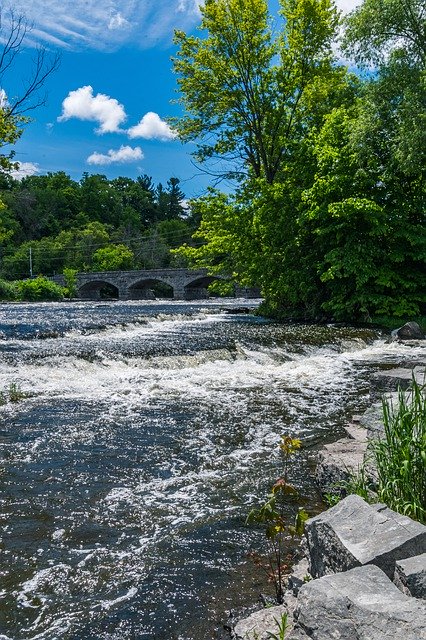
[14,36]
[70,276]
[401,455]
[114,257]
[246,90]
[271,515]
[12,394]
[378,27]
[79,225]
[330,221]
[282,628]
[7,290]
[39,289]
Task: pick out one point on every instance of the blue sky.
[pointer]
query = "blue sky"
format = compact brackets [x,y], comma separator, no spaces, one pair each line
[108,102]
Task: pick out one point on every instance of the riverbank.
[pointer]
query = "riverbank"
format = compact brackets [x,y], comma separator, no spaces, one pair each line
[367,549]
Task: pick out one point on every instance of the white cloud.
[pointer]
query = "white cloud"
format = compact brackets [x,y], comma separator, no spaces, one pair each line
[24,170]
[82,104]
[124,154]
[117,21]
[80,24]
[152,127]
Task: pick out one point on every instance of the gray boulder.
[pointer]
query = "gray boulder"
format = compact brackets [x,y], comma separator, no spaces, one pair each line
[354,533]
[410,576]
[361,604]
[409,331]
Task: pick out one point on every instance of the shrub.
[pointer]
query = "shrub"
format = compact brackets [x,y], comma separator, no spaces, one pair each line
[39,289]
[7,290]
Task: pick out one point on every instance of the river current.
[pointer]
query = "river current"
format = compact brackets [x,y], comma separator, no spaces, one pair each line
[147,432]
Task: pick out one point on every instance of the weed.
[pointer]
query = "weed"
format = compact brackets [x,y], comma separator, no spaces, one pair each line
[282,628]
[271,516]
[13,394]
[400,456]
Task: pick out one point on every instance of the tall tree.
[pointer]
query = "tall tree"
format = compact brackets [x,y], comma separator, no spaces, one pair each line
[244,89]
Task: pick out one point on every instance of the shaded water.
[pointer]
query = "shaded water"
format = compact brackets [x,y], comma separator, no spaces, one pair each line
[148,432]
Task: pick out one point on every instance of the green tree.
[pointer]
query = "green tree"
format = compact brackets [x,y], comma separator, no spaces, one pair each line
[246,91]
[378,28]
[114,257]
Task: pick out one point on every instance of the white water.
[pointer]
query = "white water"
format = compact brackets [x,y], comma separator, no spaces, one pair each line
[145,438]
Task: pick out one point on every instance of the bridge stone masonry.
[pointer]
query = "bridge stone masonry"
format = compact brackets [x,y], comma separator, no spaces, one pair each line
[178,284]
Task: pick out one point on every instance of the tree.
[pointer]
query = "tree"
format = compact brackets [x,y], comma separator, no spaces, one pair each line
[379,27]
[246,91]
[113,258]
[14,109]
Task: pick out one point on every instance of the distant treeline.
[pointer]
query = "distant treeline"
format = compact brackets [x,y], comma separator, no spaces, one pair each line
[51,223]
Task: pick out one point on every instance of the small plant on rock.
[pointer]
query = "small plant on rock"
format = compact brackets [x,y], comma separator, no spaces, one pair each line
[271,515]
[282,628]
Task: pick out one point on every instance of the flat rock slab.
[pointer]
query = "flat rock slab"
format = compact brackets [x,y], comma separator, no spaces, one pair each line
[338,461]
[360,604]
[261,624]
[410,576]
[391,379]
[354,533]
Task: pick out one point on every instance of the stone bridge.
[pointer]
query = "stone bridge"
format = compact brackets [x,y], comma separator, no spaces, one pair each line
[178,284]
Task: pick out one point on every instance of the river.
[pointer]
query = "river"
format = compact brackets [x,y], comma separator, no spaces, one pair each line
[147,432]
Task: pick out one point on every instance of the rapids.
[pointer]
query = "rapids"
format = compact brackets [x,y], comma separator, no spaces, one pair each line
[147,432]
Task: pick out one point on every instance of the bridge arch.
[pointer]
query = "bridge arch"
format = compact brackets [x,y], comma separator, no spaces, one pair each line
[197,289]
[98,290]
[149,289]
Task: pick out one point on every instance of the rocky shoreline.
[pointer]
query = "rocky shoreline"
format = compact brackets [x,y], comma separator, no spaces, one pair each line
[363,574]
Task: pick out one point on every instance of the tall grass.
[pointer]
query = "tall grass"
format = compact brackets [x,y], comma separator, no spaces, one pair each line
[400,455]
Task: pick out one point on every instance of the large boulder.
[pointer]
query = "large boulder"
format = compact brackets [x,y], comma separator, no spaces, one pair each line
[360,604]
[354,533]
[410,576]
[409,331]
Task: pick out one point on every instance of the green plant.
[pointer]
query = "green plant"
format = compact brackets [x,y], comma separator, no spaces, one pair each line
[39,289]
[15,392]
[271,515]
[331,499]
[70,276]
[400,456]
[282,628]
[7,290]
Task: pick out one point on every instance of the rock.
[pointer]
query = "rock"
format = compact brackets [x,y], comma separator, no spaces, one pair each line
[409,331]
[400,377]
[354,533]
[410,576]
[360,604]
[261,624]
[338,461]
[298,576]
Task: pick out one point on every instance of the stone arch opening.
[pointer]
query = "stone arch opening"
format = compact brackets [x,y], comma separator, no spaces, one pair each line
[198,289]
[98,290]
[150,289]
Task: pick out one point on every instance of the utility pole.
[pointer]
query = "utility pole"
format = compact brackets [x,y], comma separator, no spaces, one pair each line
[31,262]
